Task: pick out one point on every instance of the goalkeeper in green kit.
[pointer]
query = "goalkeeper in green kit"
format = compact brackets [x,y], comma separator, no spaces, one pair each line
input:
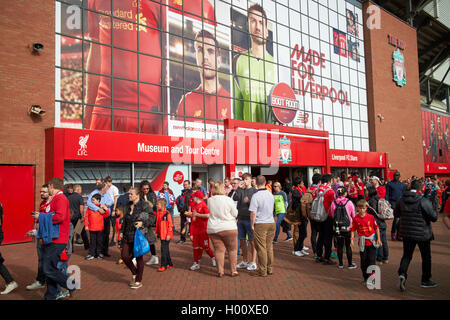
[254,72]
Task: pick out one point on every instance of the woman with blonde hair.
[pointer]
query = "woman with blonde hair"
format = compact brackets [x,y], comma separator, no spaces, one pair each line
[222,228]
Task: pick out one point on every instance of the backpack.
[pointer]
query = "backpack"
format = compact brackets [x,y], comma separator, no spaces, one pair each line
[305,204]
[385,211]
[341,220]
[180,203]
[318,212]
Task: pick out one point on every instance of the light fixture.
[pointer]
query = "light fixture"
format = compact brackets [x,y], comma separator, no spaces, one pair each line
[380,116]
[36,110]
[37,47]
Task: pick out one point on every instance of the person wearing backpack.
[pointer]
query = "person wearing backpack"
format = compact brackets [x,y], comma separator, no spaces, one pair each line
[312,190]
[320,211]
[343,212]
[383,251]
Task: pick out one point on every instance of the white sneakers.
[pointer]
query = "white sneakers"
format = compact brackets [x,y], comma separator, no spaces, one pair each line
[252,266]
[195,266]
[153,260]
[10,287]
[242,265]
[35,285]
[300,253]
[305,248]
[213,261]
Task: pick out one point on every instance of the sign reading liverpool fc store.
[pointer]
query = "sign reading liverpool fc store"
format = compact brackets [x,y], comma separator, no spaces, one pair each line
[180,68]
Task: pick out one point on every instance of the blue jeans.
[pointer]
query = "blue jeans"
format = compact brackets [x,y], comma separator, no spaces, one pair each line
[51,257]
[280,218]
[383,251]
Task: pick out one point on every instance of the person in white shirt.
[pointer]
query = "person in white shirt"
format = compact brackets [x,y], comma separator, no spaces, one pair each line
[113,192]
[222,228]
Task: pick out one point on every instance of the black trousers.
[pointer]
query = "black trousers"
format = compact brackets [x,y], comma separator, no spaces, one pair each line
[344,239]
[425,252]
[165,254]
[302,234]
[368,257]
[106,230]
[4,271]
[85,238]
[314,234]
[96,244]
[325,238]
[182,225]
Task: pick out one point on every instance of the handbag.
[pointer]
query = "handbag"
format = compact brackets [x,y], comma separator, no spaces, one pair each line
[141,245]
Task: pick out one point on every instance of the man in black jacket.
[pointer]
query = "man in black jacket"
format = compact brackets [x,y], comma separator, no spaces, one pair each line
[186,194]
[416,214]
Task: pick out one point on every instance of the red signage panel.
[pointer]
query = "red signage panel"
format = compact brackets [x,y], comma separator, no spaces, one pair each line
[347,158]
[442,168]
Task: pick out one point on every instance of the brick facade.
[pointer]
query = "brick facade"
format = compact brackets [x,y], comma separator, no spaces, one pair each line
[26,79]
[400,106]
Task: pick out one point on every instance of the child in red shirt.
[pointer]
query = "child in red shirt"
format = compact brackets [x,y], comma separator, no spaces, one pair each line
[353,192]
[366,227]
[117,226]
[199,221]
[164,231]
[93,222]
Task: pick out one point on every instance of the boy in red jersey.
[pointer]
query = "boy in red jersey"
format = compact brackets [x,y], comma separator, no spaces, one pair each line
[366,227]
[209,100]
[199,237]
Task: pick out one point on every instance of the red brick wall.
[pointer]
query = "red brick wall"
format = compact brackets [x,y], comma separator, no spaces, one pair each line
[26,79]
[400,106]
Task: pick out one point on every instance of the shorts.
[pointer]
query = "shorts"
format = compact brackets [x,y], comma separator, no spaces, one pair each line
[244,229]
[200,240]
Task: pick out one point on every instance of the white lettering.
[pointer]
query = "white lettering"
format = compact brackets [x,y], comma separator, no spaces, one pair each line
[142,147]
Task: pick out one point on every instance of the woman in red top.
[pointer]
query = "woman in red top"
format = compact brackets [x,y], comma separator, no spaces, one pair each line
[352,192]
[164,231]
[360,187]
[199,221]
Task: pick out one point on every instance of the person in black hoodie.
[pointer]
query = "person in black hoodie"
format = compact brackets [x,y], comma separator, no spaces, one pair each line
[416,214]
[383,251]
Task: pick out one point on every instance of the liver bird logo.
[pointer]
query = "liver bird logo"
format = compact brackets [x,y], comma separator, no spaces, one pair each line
[82,141]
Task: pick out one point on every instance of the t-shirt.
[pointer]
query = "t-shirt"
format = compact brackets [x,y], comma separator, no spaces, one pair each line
[125,63]
[352,192]
[200,104]
[364,226]
[250,102]
[113,192]
[199,224]
[75,201]
[361,192]
[262,203]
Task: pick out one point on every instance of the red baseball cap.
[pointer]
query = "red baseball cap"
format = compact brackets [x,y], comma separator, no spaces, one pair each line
[198,194]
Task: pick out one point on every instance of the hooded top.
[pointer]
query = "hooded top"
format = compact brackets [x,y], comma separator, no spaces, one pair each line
[416,214]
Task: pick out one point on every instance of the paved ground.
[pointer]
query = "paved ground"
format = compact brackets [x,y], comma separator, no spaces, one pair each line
[294,277]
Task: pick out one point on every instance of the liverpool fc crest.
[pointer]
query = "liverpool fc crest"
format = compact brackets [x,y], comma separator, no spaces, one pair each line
[398,68]
[285,150]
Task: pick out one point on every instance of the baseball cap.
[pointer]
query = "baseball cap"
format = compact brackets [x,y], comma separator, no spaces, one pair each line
[375,178]
[198,194]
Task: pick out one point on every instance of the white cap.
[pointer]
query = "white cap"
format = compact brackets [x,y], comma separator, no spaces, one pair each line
[375,178]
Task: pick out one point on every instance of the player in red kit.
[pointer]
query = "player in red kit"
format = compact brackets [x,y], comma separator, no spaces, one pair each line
[209,99]
[199,237]
[193,9]
[121,94]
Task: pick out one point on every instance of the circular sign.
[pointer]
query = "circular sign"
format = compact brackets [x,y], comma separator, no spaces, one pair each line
[178,177]
[283,102]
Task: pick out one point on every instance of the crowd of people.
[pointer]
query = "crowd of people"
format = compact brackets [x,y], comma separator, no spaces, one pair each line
[243,217]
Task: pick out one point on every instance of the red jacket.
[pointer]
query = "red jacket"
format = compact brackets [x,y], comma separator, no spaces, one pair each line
[94,220]
[164,225]
[60,206]
[328,197]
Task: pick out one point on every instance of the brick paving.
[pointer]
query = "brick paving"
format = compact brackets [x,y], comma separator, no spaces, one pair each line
[294,278]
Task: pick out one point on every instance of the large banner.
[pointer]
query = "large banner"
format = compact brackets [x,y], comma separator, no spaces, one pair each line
[179,68]
[436,143]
